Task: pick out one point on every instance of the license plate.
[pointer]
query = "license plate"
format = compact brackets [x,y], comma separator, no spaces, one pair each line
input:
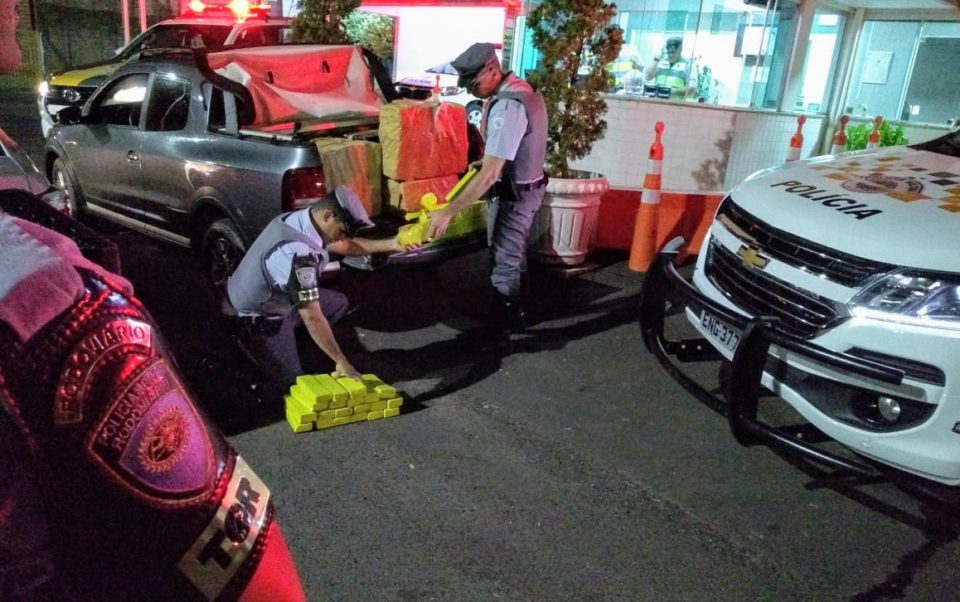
[718,330]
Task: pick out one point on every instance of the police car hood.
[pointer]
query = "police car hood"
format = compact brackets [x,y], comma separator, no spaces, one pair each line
[899,206]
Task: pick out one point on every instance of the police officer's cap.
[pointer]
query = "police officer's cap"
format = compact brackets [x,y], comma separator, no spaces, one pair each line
[674,42]
[472,60]
[354,215]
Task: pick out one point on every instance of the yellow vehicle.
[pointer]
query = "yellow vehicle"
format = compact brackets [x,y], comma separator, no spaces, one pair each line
[202,26]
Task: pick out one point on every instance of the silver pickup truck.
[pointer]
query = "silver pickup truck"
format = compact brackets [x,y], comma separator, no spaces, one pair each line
[203,149]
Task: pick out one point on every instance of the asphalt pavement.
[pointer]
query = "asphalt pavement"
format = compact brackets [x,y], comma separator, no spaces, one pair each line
[571,468]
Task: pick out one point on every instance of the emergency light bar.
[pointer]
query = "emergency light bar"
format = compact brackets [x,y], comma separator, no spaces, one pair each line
[241,9]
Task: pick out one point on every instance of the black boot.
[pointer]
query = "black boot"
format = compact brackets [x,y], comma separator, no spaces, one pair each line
[508,313]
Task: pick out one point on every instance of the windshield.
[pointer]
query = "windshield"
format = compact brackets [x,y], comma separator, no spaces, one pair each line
[178,36]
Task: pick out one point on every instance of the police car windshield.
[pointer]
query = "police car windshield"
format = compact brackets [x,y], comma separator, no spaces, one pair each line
[178,36]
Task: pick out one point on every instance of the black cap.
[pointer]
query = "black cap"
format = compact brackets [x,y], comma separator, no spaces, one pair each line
[472,60]
[674,42]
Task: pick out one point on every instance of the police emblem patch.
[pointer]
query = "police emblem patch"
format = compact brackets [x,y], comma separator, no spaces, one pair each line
[307,276]
[496,123]
[875,183]
[152,440]
[162,446]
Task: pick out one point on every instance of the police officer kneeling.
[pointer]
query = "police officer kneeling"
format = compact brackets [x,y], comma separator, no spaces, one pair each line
[276,286]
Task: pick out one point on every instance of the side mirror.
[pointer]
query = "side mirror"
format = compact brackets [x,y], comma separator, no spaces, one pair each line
[71,115]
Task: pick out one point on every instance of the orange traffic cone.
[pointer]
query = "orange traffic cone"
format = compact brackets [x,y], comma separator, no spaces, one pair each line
[644,246]
[873,140]
[840,139]
[796,141]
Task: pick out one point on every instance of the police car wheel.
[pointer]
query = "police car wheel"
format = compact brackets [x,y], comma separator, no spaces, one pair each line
[222,251]
[62,177]
[474,113]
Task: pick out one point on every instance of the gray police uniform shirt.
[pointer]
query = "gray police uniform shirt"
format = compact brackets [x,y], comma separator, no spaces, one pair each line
[516,112]
[261,283]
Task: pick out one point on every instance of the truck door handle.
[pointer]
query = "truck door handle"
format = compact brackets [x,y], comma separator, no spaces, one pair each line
[132,156]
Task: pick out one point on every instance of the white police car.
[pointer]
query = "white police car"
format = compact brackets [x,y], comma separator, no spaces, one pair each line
[833,285]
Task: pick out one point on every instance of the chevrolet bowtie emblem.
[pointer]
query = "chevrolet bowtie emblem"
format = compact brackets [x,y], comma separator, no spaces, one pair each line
[751,257]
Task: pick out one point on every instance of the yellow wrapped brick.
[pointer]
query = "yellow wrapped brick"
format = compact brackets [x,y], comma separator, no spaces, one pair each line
[375,415]
[307,386]
[406,195]
[340,421]
[361,408]
[378,406]
[391,412]
[341,412]
[302,395]
[324,423]
[339,394]
[385,391]
[355,388]
[358,418]
[394,403]
[299,418]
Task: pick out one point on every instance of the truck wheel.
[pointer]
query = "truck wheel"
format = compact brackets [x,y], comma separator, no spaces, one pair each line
[474,113]
[222,251]
[62,177]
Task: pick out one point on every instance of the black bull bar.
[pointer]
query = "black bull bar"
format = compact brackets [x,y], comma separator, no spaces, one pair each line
[742,390]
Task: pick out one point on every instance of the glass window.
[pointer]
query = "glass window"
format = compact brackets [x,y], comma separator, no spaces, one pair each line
[730,52]
[120,104]
[901,72]
[169,104]
[823,48]
[178,36]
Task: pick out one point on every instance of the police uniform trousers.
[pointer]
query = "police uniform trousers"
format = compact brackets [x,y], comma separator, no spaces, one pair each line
[508,224]
[277,353]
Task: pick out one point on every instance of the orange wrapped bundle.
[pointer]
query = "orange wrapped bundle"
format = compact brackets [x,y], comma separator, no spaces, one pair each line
[407,195]
[354,163]
[422,140]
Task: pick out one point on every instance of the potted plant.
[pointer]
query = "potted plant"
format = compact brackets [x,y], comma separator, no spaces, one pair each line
[576,40]
[322,21]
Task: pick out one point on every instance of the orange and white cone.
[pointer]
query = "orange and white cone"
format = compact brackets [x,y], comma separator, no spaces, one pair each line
[796,141]
[644,246]
[873,140]
[840,138]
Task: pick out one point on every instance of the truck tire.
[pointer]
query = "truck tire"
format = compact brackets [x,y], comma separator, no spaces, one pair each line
[222,249]
[61,175]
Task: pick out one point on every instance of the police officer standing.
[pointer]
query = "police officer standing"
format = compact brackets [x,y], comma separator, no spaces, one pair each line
[276,287]
[672,71]
[515,134]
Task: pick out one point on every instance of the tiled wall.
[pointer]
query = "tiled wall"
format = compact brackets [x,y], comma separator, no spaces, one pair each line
[706,147]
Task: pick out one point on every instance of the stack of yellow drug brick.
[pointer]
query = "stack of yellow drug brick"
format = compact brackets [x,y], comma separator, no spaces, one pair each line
[471,218]
[424,146]
[322,401]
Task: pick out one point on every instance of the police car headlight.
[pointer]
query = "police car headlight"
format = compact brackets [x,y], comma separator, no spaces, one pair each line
[911,297]
[44,88]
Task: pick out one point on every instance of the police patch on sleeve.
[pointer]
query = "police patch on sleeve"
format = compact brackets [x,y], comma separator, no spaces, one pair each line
[304,286]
